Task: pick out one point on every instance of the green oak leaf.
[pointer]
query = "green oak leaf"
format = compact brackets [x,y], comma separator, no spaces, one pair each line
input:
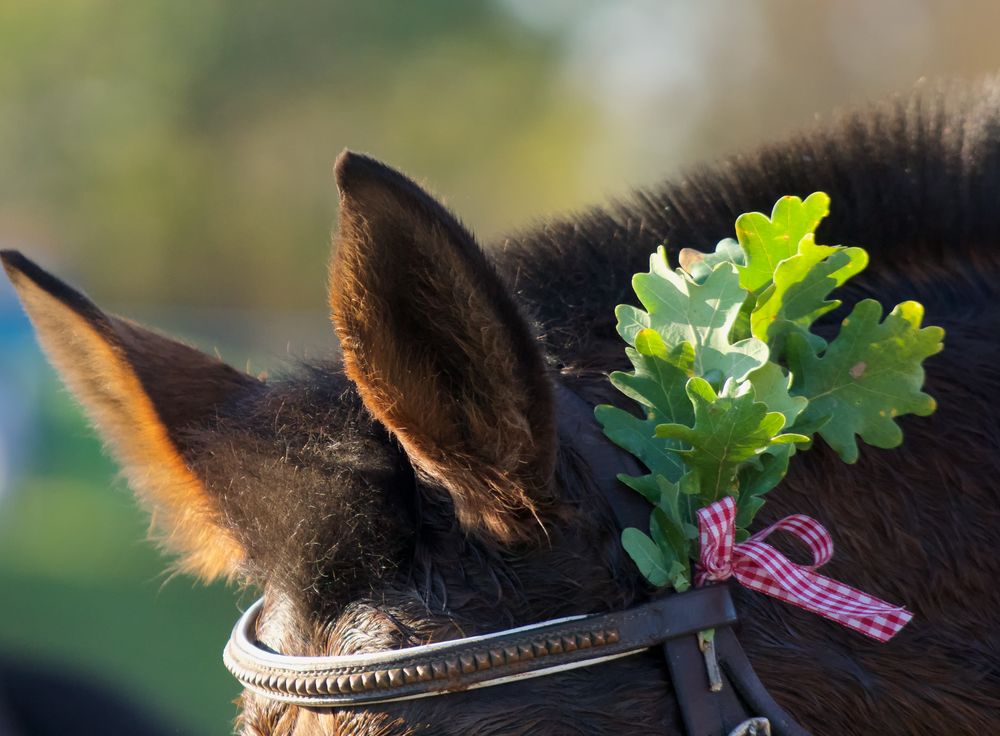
[869,375]
[671,539]
[638,437]
[657,383]
[729,429]
[768,241]
[801,283]
[757,477]
[771,387]
[645,485]
[699,265]
[680,501]
[649,342]
[741,328]
[702,315]
[651,559]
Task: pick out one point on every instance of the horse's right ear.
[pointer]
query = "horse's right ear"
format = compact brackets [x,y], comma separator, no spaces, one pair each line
[142,391]
[439,351]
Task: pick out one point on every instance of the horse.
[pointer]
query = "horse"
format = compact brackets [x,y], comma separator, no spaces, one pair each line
[422,485]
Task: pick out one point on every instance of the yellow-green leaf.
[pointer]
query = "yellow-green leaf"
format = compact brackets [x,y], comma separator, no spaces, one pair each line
[769,240]
[868,376]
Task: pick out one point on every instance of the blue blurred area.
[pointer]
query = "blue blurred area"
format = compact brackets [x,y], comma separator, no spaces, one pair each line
[19,383]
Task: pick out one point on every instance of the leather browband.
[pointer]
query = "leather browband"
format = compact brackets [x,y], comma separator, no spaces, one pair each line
[473,662]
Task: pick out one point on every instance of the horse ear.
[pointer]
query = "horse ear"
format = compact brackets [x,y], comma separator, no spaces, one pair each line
[439,351]
[141,390]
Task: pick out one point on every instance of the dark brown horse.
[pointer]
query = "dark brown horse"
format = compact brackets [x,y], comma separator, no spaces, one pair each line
[418,488]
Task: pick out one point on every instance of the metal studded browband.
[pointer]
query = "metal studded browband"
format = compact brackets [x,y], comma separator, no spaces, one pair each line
[472,662]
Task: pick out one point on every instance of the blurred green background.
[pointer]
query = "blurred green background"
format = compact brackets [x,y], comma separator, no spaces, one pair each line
[173,159]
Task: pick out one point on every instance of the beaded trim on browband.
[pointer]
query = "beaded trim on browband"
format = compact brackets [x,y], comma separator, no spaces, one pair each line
[473,662]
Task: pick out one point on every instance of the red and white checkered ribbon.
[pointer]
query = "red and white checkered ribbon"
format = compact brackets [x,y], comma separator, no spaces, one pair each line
[761,567]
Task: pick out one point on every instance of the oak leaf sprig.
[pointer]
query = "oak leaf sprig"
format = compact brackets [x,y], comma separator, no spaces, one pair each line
[732,381]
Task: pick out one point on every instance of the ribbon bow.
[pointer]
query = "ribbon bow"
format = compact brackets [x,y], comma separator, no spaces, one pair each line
[761,567]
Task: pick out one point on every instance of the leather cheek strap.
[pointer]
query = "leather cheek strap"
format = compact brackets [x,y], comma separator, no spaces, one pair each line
[705,711]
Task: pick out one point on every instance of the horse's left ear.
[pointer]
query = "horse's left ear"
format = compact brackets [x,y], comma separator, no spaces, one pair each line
[142,391]
[439,351]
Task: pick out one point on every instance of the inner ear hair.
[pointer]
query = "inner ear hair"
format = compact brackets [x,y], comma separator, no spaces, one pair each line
[440,352]
[139,389]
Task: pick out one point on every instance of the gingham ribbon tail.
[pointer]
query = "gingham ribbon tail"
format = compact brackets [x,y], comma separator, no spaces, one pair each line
[759,566]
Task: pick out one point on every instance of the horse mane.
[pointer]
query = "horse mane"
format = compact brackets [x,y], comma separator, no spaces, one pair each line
[912,179]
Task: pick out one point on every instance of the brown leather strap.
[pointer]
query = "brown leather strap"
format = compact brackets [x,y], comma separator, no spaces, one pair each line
[606,460]
[705,712]
[472,662]
[739,672]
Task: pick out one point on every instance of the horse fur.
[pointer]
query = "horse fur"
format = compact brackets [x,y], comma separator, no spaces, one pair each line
[417,489]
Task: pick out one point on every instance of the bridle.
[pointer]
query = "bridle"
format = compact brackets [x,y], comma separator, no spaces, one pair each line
[472,662]
[716,688]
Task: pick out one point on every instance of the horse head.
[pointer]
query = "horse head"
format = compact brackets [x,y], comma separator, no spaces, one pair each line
[417,489]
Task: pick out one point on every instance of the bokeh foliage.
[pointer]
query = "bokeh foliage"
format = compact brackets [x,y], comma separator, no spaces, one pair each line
[189,145]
